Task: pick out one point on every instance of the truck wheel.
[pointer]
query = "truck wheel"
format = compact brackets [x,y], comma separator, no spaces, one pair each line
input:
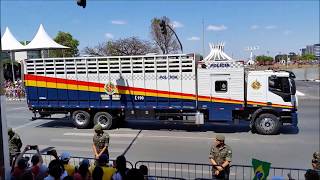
[81,119]
[267,124]
[104,119]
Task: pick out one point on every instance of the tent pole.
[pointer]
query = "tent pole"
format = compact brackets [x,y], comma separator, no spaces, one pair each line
[12,67]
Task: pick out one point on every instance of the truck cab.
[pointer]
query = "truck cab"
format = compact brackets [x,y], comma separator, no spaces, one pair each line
[271,95]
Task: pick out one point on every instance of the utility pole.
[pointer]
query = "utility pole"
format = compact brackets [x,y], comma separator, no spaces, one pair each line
[203,37]
[4,154]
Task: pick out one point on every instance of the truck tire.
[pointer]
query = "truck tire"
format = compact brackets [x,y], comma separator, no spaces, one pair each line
[104,119]
[267,124]
[81,119]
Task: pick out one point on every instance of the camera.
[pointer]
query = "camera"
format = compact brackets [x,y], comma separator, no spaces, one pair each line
[51,152]
[33,147]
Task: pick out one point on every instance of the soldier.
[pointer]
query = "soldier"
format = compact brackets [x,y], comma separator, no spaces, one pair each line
[220,158]
[100,142]
[15,144]
[316,161]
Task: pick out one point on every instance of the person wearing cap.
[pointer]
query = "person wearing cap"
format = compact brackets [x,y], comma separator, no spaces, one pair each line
[14,143]
[100,142]
[65,157]
[220,158]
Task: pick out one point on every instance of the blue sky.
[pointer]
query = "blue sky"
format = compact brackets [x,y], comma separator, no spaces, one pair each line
[274,26]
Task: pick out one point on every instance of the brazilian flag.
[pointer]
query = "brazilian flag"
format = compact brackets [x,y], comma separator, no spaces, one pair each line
[261,169]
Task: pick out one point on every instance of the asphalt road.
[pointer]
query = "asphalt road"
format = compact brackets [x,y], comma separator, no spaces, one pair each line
[292,148]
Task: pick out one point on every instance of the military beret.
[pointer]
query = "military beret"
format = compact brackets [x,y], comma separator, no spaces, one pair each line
[97,127]
[10,130]
[220,137]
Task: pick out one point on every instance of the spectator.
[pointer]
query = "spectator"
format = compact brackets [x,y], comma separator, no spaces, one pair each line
[144,170]
[65,158]
[97,173]
[108,171]
[37,162]
[83,171]
[27,175]
[134,174]
[21,164]
[121,166]
[56,170]
[15,144]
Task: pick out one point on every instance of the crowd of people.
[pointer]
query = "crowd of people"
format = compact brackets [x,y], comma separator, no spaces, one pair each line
[60,168]
[14,91]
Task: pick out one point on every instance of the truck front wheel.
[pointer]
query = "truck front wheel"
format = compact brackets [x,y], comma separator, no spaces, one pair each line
[267,124]
[81,119]
[104,119]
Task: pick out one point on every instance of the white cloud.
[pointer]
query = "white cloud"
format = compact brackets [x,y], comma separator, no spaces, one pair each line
[176,24]
[287,32]
[118,22]
[254,27]
[193,38]
[109,36]
[271,27]
[216,28]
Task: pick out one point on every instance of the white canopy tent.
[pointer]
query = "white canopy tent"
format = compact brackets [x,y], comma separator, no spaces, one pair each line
[217,53]
[10,43]
[43,41]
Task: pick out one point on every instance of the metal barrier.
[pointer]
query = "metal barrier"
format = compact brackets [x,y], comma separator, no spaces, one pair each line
[74,160]
[203,171]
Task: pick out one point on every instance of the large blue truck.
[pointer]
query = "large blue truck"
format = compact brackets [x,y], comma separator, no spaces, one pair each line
[179,87]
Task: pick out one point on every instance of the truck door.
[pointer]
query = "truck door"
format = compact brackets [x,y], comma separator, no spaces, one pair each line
[220,92]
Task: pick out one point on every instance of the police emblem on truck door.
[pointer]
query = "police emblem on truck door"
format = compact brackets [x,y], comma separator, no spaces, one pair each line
[256,85]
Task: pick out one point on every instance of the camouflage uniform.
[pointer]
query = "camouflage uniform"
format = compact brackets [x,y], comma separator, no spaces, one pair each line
[101,140]
[14,143]
[220,155]
[316,160]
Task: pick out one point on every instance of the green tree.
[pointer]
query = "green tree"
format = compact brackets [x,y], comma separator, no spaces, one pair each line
[308,57]
[264,59]
[66,39]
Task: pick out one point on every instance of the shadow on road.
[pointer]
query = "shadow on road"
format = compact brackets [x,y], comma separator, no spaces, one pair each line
[160,126]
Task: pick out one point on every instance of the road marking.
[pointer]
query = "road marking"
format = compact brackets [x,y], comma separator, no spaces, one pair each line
[300,93]
[14,109]
[29,123]
[88,141]
[91,135]
[78,149]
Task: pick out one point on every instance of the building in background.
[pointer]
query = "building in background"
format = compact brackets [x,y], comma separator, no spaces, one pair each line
[312,49]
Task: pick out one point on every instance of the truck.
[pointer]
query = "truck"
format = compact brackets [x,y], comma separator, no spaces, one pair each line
[175,87]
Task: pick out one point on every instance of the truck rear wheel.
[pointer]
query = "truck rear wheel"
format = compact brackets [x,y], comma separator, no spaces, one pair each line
[81,119]
[104,119]
[267,124]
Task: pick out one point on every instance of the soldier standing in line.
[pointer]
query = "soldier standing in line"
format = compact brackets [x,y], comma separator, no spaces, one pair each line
[100,142]
[14,143]
[220,158]
[316,161]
